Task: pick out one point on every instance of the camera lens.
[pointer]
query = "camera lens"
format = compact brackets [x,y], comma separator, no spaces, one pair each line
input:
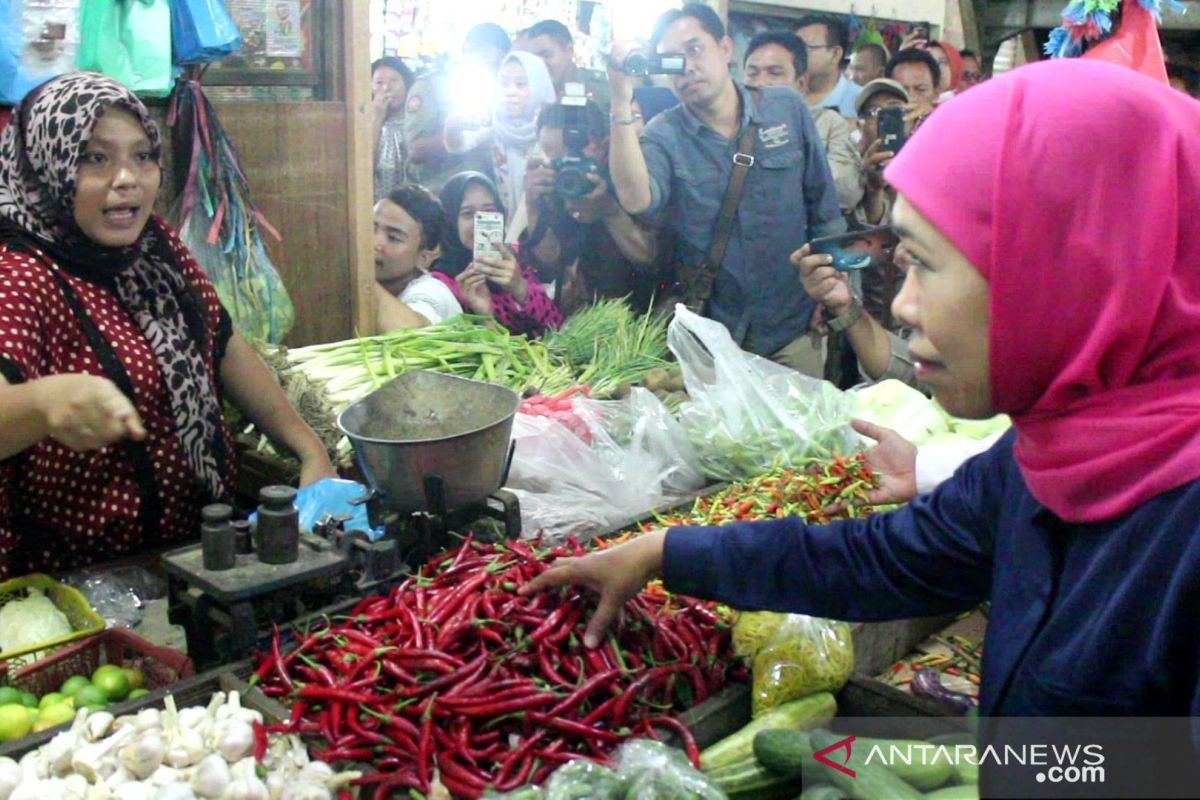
[572,182]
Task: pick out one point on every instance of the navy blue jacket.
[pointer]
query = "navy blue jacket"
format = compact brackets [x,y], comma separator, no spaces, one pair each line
[1096,619]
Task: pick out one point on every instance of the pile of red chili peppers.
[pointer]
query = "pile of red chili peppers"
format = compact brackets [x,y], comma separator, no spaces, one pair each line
[453,671]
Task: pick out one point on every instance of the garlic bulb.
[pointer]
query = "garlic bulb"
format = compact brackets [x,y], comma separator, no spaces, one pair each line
[88,761]
[98,725]
[134,790]
[245,789]
[10,777]
[233,739]
[75,787]
[306,791]
[212,776]
[176,791]
[144,755]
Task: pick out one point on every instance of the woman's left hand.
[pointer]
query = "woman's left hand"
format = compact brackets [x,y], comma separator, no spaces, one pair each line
[315,467]
[505,272]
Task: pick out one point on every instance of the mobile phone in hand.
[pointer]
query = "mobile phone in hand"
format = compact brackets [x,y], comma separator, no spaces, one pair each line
[892,130]
[856,249]
[489,233]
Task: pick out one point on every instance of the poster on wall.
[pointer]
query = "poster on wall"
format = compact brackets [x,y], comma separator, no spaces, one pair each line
[284,36]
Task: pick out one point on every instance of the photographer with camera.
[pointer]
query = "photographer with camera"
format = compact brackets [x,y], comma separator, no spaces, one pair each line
[757,149]
[577,235]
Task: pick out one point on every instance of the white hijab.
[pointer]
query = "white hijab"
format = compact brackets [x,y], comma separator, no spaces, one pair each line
[518,135]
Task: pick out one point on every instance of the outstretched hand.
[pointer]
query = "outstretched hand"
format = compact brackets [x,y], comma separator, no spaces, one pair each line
[617,575]
[894,462]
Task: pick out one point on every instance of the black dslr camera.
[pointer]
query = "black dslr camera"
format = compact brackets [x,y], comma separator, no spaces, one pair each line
[572,172]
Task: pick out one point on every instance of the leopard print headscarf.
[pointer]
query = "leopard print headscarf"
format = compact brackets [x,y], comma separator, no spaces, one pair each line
[40,152]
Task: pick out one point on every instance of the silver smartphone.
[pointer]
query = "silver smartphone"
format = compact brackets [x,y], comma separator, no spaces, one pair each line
[489,233]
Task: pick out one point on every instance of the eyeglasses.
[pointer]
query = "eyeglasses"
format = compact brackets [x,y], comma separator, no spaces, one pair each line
[973,77]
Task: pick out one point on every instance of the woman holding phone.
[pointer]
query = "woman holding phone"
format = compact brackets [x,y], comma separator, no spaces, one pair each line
[496,284]
[1081,525]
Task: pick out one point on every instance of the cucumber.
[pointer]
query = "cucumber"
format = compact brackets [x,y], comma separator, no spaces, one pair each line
[968,791]
[967,771]
[871,782]
[823,791]
[924,774]
[749,780]
[803,714]
[788,752]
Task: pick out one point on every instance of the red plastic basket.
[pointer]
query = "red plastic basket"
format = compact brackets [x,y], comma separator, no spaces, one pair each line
[161,666]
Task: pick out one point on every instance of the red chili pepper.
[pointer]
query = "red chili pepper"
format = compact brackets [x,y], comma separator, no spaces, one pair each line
[579,695]
[689,741]
[568,726]
[311,692]
[260,742]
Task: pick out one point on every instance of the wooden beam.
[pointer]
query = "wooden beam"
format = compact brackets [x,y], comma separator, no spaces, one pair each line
[356,44]
[1013,15]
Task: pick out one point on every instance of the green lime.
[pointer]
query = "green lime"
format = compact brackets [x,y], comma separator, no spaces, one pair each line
[15,722]
[29,699]
[9,694]
[73,684]
[92,697]
[136,679]
[54,698]
[134,694]
[112,681]
[53,715]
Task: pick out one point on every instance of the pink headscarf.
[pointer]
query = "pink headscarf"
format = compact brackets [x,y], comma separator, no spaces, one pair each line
[1074,187]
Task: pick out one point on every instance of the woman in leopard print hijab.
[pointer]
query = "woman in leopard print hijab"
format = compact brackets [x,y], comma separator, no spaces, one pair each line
[112,339]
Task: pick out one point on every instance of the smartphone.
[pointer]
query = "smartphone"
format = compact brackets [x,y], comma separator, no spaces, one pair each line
[922,29]
[856,249]
[892,129]
[489,233]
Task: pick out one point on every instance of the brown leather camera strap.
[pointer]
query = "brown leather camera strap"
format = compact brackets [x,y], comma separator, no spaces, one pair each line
[743,160]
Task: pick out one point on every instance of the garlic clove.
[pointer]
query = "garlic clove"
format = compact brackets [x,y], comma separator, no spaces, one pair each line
[98,725]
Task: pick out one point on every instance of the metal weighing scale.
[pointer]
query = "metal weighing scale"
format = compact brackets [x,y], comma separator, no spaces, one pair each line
[433,450]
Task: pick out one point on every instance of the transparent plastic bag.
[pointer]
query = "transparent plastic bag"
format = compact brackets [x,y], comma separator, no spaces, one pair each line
[792,656]
[747,415]
[118,594]
[653,771]
[583,780]
[638,459]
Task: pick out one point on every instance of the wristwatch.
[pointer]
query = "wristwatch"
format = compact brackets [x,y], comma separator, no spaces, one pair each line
[849,317]
[632,118]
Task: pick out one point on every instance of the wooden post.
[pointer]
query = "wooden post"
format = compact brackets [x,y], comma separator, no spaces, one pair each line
[360,159]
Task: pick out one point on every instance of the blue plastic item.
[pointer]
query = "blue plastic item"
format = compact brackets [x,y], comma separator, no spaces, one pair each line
[333,496]
[202,31]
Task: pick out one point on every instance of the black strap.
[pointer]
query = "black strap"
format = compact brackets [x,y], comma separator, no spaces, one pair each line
[697,282]
[743,160]
[150,507]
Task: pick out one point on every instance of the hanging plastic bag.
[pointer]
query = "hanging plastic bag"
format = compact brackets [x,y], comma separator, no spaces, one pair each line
[638,459]
[218,220]
[748,415]
[38,40]
[792,656]
[129,40]
[203,31]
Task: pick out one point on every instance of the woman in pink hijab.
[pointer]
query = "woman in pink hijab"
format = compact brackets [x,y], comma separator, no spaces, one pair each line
[1051,219]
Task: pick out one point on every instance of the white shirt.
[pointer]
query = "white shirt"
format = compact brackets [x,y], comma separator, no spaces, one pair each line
[430,298]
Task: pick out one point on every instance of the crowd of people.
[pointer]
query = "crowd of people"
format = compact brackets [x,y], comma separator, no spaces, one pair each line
[654,159]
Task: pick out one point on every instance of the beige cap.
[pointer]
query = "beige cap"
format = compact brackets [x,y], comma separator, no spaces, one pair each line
[875,87]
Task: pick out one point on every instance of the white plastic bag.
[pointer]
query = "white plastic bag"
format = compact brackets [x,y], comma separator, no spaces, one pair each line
[747,415]
[639,458]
